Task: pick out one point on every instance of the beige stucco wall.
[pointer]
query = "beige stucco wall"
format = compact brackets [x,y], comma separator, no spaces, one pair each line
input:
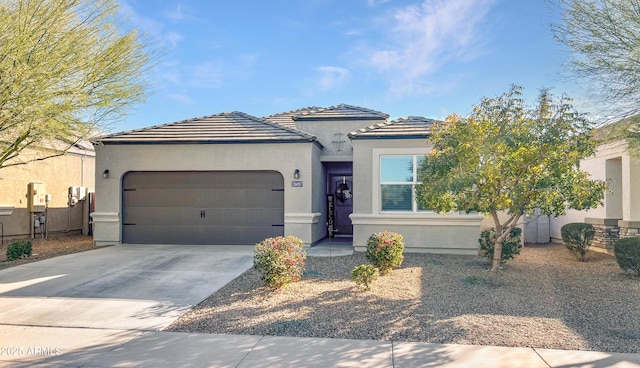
[302,215]
[622,173]
[325,131]
[423,231]
[58,174]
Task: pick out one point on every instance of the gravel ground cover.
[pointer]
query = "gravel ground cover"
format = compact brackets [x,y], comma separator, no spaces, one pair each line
[54,245]
[548,300]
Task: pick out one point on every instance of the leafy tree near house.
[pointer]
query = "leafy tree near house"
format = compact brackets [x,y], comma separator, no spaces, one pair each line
[506,157]
[68,68]
[603,37]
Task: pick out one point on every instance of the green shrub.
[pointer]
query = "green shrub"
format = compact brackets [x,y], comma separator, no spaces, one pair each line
[510,246]
[384,250]
[627,251]
[19,249]
[365,275]
[280,260]
[577,237]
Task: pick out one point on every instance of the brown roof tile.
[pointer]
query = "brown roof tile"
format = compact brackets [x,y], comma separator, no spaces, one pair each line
[409,127]
[342,112]
[287,118]
[228,127]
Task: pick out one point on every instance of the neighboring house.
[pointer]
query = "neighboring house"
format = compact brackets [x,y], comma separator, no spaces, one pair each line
[619,217]
[57,174]
[233,178]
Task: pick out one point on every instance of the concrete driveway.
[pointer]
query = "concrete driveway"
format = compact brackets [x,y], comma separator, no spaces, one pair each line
[133,287]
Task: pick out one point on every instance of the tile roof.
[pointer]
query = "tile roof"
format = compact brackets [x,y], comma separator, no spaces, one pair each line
[286,118]
[82,147]
[228,127]
[409,127]
[341,112]
[616,130]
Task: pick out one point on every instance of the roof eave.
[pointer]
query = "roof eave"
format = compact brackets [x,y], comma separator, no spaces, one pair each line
[231,141]
[354,118]
[386,136]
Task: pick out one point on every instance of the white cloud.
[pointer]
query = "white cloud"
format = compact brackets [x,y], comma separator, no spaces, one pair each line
[157,29]
[171,73]
[423,37]
[182,98]
[377,2]
[205,75]
[172,39]
[212,74]
[177,14]
[330,77]
[180,76]
[127,11]
[247,61]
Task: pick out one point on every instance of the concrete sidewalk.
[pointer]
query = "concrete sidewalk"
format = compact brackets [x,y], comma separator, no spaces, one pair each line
[77,347]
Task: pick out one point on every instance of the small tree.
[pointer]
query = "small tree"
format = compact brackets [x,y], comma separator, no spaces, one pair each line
[68,68]
[509,158]
[577,237]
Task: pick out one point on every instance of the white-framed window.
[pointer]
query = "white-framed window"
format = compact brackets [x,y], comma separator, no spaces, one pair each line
[398,179]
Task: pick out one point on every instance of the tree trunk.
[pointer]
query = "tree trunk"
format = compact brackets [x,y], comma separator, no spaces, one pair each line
[502,231]
[495,262]
[497,250]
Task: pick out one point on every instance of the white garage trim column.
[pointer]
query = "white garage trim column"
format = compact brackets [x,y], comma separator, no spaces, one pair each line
[105,226]
[299,224]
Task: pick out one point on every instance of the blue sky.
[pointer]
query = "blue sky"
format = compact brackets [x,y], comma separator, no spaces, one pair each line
[422,57]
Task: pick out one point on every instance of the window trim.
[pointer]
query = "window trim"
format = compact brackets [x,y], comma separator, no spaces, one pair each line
[377,183]
[412,183]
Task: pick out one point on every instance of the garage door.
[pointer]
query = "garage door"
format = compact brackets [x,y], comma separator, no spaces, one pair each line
[220,207]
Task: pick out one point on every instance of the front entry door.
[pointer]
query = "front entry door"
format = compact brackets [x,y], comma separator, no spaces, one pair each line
[341,186]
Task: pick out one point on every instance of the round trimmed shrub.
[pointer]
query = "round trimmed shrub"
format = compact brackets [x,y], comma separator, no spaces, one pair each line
[19,249]
[384,251]
[627,251]
[510,245]
[577,237]
[365,275]
[280,260]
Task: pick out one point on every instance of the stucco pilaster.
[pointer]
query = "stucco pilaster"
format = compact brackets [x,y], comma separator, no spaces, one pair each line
[630,194]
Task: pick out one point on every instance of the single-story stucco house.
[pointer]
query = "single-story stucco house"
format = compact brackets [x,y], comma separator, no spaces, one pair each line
[233,178]
[619,216]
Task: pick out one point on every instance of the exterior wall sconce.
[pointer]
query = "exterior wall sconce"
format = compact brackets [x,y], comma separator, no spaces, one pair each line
[296,174]
[105,174]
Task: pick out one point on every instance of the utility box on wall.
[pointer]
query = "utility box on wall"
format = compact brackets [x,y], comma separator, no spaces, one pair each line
[36,197]
[77,194]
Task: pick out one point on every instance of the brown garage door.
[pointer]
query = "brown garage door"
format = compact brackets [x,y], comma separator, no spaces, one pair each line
[217,207]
